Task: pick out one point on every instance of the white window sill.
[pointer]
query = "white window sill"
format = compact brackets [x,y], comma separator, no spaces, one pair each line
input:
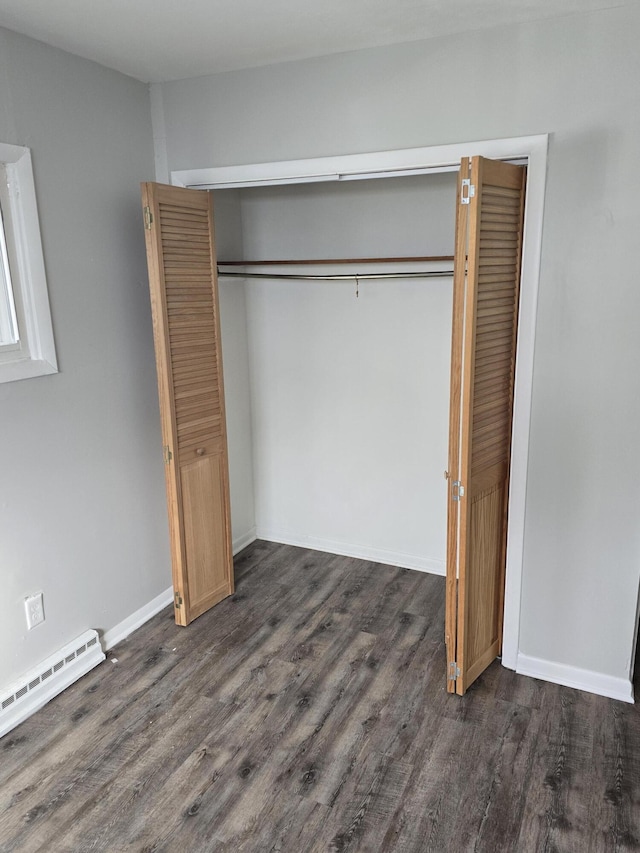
[26,368]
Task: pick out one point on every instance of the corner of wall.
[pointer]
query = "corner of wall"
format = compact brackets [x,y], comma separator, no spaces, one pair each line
[159,133]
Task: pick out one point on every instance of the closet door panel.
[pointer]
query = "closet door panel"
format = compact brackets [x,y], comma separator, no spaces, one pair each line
[184,300]
[489,240]
[204,489]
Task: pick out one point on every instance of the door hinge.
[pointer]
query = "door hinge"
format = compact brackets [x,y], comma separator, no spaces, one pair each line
[467,192]
[148,218]
[457,490]
[178,600]
[454,671]
[168,455]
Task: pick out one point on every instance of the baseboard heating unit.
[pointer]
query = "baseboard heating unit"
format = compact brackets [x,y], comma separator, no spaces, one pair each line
[48,679]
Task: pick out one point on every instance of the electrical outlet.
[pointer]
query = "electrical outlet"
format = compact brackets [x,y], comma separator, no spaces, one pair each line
[34,607]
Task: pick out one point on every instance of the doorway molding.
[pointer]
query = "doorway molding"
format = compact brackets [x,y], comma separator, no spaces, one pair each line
[531,150]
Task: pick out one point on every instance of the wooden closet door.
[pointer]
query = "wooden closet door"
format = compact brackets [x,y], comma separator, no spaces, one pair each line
[186,326]
[489,228]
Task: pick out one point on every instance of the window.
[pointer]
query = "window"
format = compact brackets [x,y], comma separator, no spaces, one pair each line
[9,338]
[26,335]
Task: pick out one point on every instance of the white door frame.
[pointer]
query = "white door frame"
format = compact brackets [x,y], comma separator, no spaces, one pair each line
[440,158]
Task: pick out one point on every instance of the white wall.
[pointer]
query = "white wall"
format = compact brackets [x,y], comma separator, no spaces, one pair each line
[573,77]
[82,510]
[350,395]
[235,358]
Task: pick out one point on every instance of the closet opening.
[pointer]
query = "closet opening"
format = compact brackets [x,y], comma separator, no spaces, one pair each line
[349,374]
[348,344]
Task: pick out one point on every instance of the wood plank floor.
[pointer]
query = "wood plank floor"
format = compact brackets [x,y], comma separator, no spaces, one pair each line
[308,713]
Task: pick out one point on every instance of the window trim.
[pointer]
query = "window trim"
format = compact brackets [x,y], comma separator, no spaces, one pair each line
[36,355]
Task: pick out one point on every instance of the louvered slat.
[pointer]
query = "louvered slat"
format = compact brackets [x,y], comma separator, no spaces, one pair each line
[495,321]
[186,253]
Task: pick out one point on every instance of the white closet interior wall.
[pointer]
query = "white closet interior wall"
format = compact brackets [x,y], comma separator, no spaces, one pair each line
[235,357]
[348,396]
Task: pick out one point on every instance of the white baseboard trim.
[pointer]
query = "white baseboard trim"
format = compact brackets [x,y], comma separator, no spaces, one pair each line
[122,630]
[573,676]
[48,679]
[244,540]
[361,552]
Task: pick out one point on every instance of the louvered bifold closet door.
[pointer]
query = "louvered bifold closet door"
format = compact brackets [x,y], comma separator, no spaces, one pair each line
[490,227]
[186,324]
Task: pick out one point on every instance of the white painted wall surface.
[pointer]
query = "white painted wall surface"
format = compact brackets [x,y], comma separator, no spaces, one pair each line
[574,78]
[350,395]
[82,509]
[235,358]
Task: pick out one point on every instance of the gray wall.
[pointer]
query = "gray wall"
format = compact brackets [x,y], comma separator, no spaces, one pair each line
[82,512]
[575,78]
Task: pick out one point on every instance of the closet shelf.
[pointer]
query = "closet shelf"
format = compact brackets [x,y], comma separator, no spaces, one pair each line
[304,262]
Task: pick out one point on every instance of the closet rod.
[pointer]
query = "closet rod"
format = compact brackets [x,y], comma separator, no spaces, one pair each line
[349,277]
[419,259]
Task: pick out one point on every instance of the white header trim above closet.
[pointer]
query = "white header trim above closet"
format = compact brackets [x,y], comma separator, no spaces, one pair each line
[531,150]
[349,167]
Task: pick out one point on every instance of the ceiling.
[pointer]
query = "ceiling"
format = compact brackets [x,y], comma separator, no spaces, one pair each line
[157,40]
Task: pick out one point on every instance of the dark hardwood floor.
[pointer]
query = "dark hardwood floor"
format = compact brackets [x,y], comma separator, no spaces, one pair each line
[308,713]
